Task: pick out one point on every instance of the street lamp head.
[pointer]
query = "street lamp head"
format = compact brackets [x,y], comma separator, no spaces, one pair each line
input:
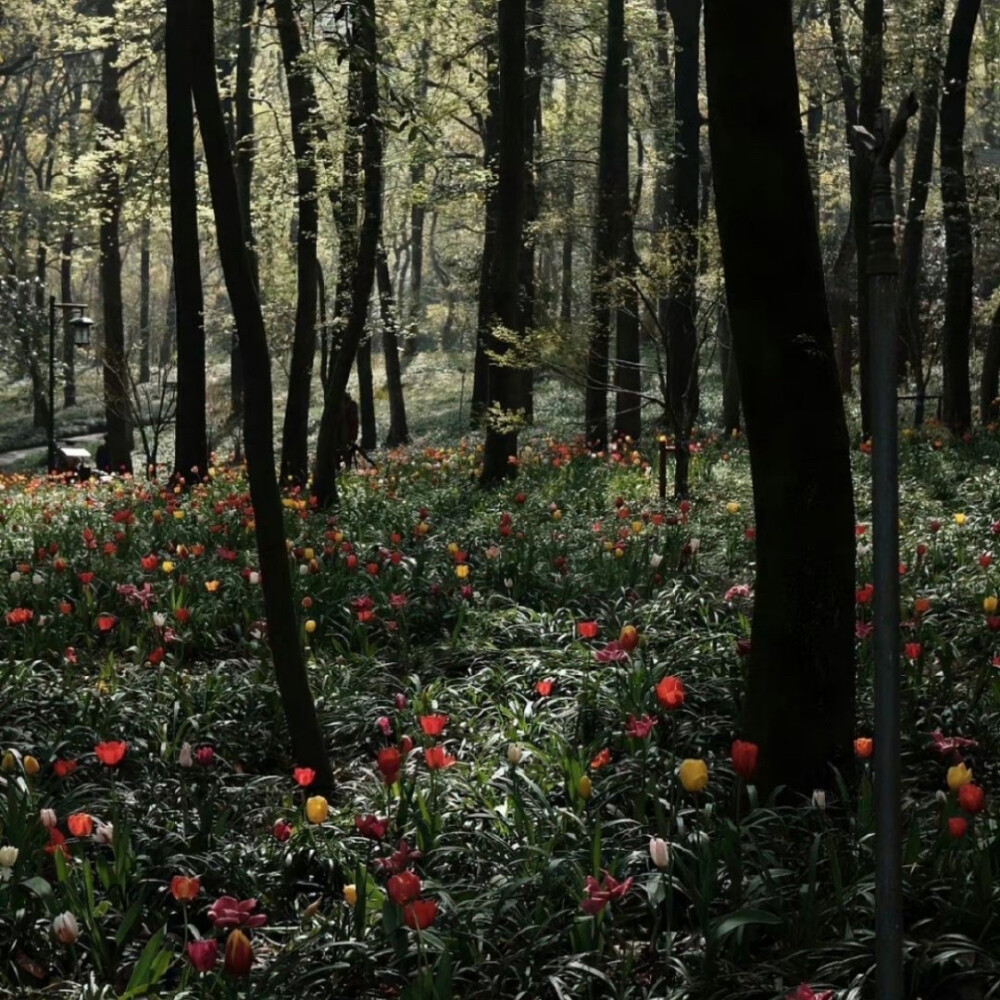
[81,330]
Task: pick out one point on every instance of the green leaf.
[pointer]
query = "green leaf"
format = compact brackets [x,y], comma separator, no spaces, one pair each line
[743,918]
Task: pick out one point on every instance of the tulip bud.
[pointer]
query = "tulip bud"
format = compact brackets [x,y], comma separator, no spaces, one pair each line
[239,953]
[514,754]
[65,928]
[693,774]
[819,798]
[185,758]
[659,852]
[317,809]
[400,701]
[351,894]
[9,761]
[8,856]
[31,766]
[203,954]
[584,787]
[48,818]
[105,833]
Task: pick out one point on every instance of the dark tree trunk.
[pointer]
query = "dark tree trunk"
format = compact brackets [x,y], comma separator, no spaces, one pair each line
[730,375]
[111,127]
[304,109]
[801,672]
[840,309]
[957,398]
[191,437]
[491,143]
[39,386]
[682,303]
[144,293]
[505,285]
[332,431]
[989,386]
[418,201]
[366,395]
[66,292]
[348,204]
[170,325]
[282,623]
[613,206]
[568,239]
[911,251]
[399,433]
[870,99]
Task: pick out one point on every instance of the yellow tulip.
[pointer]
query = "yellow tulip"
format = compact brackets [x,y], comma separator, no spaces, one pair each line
[584,787]
[960,519]
[351,894]
[990,605]
[317,809]
[693,775]
[179,515]
[310,627]
[637,527]
[31,766]
[733,507]
[308,554]
[461,571]
[9,761]
[958,775]
[167,567]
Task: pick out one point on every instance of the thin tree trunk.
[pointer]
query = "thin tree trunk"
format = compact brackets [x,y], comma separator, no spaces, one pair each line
[911,251]
[840,309]
[418,200]
[331,432]
[730,375]
[682,302]
[111,127]
[366,395]
[957,398]
[303,108]
[801,671]
[989,386]
[500,451]
[66,293]
[144,292]
[398,433]
[283,633]
[191,433]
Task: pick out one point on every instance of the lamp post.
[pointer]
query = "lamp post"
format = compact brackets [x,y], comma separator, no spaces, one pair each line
[81,338]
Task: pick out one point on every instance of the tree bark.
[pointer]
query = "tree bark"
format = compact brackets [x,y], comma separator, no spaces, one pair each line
[283,633]
[681,346]
[730,375]
[989,386]
[144,293]
[304,109]
[66,293]
[911,251]
[500,449]
[191,432]
[418,199]
[110,128]
[613,206]
[366,395]
[398,433]
[331,431]
[801,672]
[957,398]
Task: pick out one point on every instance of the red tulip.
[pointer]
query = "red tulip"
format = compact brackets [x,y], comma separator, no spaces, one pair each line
[957,827]
[203,954]
[863,747]
[184,889]
[438,758]
[970,797]
[420,914]
[304,776]
[390,760]
[80,824]
[239,954]
[545,688]
[106,622]
[371,827]
[629,637]
[63,768]
[282,831]
[912,651]
[111,752]
[404,888]
[587,630]
[433,725]
[639,729]
[744,755]
[670,693]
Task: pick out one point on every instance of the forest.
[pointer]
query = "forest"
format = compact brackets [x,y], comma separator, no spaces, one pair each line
[499,498]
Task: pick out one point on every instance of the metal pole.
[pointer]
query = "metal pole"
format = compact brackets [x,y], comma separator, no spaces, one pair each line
[52,383]
[882,271]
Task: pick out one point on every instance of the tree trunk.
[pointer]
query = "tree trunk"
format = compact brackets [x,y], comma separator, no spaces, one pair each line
[331,431]
[911,251]
[957,398]
[304,108]
[366,395]
[283,633]
[144,292]
[399,433]
[989,386]
[500,451]
[613,206]
[568,238]
[68,342]
[681,333]
[730,375]
[418,200]
[111,127]
[801,672]
[191,432]
[491,143]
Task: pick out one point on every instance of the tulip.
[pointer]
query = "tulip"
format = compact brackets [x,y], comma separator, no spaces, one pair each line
[9,762]
[584,787]
[105,833]
[990,605]
[65,928]
[733,507]
[185,758]
[629,637]
[317,809]
[659,852]
[514,754]
[351,894]
[863,747]
[8,856]
[404,887]
[420,914]
[282,831]
[184,889]
[310,626]
[111,752]
[31,766]
[80,825]
[957,827]
[433,725]
[438,758]
[693,775]
[304,776]
[670,693]
[239,954]
[390,760]
[587,630]
[48,818]
[971,798]
[744,756]
[819,799]
[203,954]
[958,776]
